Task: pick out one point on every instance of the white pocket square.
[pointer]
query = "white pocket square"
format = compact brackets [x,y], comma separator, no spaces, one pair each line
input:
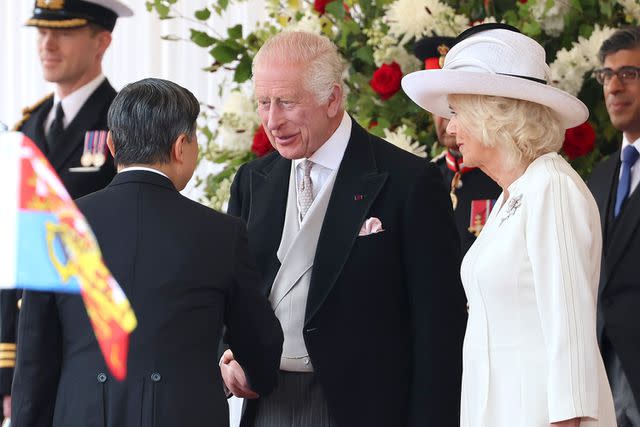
[371,226]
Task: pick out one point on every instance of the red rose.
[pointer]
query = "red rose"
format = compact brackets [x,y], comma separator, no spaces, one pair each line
[261,144]
[579,141]
[321,5]
[386,80]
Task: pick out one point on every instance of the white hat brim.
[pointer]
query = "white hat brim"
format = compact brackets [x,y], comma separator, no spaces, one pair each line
[120,8]
[430,88]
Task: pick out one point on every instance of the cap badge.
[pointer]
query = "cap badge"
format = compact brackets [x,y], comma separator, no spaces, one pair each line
[442,50]
[50,4]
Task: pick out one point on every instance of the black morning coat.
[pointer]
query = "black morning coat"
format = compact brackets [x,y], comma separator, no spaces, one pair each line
[385,314]
[187,271]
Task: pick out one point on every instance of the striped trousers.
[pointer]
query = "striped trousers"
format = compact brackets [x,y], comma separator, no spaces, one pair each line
[298,401]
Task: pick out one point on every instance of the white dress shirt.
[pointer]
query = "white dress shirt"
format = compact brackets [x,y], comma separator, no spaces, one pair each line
[635,169]
[72,103]
[327,158]
[142,168]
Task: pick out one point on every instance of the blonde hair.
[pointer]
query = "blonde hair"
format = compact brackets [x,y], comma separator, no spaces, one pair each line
[523,130]
[323,65]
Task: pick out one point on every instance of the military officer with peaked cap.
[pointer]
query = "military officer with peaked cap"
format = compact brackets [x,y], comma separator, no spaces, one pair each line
[472,192]
[69,125]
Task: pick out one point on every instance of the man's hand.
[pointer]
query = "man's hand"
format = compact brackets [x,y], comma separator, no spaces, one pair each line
[234,377]
[6,406]
[574,422]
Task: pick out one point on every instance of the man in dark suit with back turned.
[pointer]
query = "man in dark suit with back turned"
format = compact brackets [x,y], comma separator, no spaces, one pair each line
[614,186]
[186,270]
[359,254]
[73,36]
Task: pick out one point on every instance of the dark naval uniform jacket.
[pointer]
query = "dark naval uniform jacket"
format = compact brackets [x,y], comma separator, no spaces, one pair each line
[67,153]
[476,185]
[186,271]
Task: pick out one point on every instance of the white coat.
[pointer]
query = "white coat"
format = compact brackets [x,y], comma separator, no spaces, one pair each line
[530,354]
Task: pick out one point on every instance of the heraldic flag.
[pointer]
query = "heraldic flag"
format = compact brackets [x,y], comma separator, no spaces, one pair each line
[47,245]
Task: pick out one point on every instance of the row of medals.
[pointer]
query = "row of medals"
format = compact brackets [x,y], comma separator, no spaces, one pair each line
[94,149]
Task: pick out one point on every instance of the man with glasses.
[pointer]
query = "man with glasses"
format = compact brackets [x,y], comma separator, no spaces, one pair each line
[614,185]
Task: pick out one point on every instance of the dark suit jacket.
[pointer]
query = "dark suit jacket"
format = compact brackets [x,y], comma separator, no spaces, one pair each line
[187,271]
[92,116]
[619,292]
[385,314]
[476,185]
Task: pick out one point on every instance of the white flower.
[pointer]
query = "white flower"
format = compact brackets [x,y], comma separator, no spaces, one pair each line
[631,9]
[400,139]
[237,123]
[568,70]
[413,19]
[220,199]
[551,19]
[407,62]
[309,22]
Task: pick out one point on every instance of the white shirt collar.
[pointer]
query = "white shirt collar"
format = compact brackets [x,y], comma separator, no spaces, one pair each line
[142,168]
[72,103]
[626,142]
[330,154]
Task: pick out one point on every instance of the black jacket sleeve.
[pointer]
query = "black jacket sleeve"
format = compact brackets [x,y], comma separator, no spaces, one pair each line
[39,361]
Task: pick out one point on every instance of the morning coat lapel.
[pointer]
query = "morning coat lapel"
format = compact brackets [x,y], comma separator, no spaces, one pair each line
[357,185]
[626,226]
[604,193]
[268,191]
[89,116]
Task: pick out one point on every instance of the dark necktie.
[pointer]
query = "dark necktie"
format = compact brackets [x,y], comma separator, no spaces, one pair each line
[629,157]
[56,128]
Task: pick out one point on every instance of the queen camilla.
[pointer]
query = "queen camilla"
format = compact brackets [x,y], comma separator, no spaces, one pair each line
[530,355]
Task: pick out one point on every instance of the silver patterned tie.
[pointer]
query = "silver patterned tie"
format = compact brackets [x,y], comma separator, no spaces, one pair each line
[305,190]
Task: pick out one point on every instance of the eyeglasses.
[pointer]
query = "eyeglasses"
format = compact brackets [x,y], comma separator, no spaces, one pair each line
[626,74]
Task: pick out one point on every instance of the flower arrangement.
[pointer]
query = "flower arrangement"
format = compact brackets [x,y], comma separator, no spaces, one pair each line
[376,39]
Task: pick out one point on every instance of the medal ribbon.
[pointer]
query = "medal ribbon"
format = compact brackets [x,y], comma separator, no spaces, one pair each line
[456,163]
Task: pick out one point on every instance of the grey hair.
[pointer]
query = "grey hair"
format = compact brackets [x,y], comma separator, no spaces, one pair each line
[323,64]
[523,130]
[145,119]
[624,38]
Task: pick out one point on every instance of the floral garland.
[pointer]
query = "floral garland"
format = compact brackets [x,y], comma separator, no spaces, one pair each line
[376,39]
[570,67]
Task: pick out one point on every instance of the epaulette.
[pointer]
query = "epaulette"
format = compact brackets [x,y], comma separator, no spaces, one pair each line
[26,112]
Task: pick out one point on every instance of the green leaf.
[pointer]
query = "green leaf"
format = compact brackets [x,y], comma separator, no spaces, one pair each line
[576,5]
[243,70]
[201,38]
[365,53]
[531,29]
[606,9]
[235,32]
[162,9]
[223,54]
[223,4]
[202,14]
[336,9]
